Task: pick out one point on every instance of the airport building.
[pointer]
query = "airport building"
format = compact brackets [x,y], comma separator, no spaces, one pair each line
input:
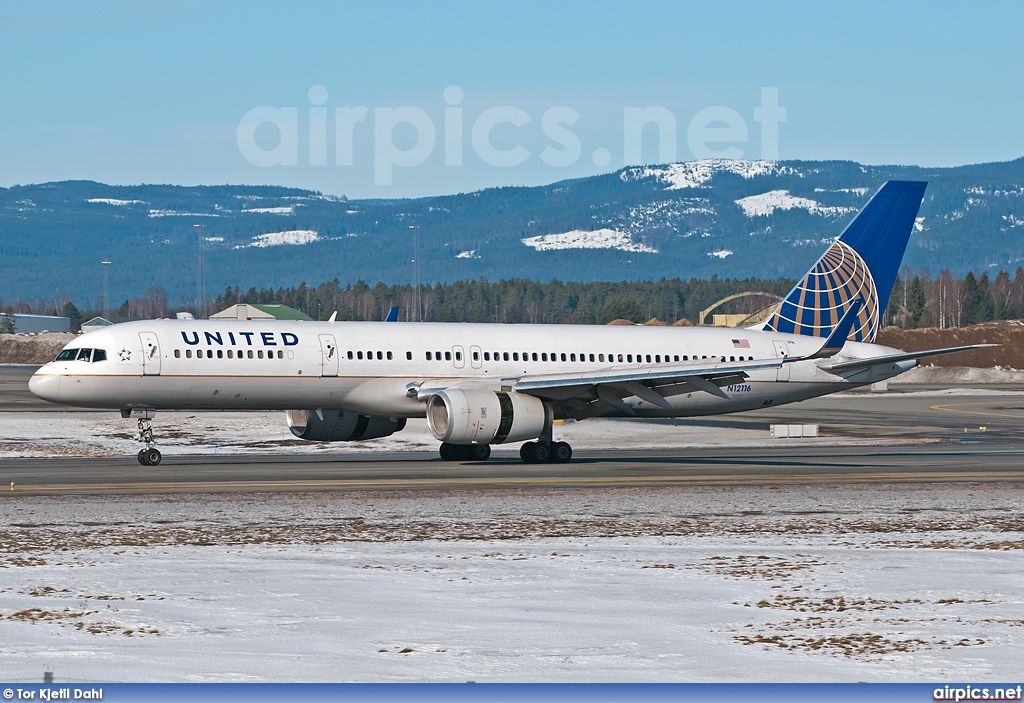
[41,323]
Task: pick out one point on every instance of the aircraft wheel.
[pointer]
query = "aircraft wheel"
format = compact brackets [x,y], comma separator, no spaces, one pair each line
[142,457]
[480,452]
[152,457]
[561,452]
[541,453]
[446,452]
[526,453]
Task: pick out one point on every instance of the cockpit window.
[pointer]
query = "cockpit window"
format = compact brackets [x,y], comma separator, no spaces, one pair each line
[82,355]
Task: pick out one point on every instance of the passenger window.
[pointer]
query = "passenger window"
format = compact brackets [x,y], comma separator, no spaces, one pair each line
[231,353]
[476,356]
[657,358]
[447,356]
[359,355]
[572,357]
[591,357]
[629,358]
[390,357]
[563,356]
[350,355]
[620,358]
[648,358]
[408,356]
[458,356]
[515,356]
[600,357]
[177,353]
[280,354]
[487,356]
[505,356]
[676,357]
[380,356]
[428,356]
[188,353]
[250,354]
[220,353]
[259,354]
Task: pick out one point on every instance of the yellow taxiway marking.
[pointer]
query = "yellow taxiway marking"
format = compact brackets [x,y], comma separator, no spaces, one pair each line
[399,483]
[950,407]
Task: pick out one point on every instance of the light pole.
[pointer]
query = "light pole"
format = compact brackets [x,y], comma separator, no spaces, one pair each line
[417,316]
[106,288]
[200,283]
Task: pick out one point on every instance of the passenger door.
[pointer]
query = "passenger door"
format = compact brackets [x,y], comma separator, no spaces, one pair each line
[150,353]
[329,355]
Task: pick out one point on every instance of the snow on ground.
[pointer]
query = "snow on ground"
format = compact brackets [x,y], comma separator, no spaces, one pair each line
[175,213]
[580,239]
[694,174]
[767,203]
[274,239]
[285,210]
[115,201]
[106,434]
[468,254]
[721,253]
[796,583]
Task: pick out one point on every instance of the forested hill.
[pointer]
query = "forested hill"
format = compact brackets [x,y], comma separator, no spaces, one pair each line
[696,219]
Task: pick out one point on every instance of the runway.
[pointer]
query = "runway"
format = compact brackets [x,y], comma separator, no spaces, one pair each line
[976,435]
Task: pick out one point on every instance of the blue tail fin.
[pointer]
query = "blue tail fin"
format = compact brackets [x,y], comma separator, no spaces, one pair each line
[861,264]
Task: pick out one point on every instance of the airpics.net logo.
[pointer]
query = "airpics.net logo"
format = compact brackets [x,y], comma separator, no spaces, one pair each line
[713,132]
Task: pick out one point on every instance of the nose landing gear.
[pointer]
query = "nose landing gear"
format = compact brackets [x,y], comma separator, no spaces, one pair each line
[150,455]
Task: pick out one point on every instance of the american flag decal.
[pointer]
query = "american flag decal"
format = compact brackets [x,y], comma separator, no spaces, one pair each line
[741,344]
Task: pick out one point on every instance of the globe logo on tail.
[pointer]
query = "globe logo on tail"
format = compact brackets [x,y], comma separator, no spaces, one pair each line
[815,306]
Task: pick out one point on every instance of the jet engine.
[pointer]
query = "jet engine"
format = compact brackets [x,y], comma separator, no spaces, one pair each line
[340,426]
[485,417]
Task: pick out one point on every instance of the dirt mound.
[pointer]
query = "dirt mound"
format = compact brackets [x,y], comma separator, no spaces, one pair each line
[1010,334]
[32,348]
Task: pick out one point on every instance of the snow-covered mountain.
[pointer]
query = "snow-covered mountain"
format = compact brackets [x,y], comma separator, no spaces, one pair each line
[694,219]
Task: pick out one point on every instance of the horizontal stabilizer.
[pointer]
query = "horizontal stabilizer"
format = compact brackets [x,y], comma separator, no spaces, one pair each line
[837,340]
[905,356]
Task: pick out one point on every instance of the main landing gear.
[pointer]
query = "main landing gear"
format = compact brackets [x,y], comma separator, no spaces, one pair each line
[465,452]
[530,452]
[545,452]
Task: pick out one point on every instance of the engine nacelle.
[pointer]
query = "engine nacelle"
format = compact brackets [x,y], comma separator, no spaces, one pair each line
[340,426]
[485,417]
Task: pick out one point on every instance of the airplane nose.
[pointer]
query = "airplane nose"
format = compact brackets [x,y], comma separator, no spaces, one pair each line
[45,384]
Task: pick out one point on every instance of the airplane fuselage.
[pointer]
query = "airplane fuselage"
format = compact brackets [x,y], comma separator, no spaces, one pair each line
[370,367]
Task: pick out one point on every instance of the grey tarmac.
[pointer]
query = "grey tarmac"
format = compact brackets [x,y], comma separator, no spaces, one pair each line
[974,435]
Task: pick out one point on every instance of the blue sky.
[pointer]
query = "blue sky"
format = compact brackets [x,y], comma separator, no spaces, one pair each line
[129,93]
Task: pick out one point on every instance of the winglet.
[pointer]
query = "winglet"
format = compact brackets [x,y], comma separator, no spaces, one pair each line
[392,314]
[334,316]
[834,344]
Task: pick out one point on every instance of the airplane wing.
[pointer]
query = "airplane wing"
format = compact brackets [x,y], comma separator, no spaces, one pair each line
[904,356]
[613,384]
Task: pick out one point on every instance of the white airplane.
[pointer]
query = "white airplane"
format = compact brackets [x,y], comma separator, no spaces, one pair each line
[484,384]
